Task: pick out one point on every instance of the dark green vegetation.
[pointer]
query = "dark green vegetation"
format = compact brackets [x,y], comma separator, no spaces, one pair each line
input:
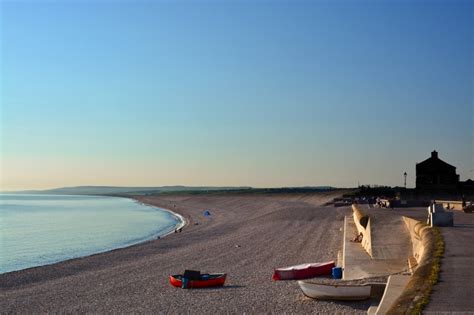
[256,191]
[434,274]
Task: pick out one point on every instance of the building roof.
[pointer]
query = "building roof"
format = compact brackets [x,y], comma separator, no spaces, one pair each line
[434,163]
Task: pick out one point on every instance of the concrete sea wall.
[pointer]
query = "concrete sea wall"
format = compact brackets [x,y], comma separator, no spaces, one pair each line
[423,242]
[362,223]
[418,232]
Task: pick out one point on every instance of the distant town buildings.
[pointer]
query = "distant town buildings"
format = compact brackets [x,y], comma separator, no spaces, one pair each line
[433,174]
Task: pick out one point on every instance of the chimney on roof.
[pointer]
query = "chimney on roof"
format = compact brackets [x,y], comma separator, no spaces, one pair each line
[434,154]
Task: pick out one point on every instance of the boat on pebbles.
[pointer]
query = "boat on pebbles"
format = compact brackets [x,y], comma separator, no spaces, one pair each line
[334,289]
[303,271]
[194,279]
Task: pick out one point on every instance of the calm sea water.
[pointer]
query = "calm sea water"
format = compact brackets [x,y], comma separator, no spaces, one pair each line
[38,230]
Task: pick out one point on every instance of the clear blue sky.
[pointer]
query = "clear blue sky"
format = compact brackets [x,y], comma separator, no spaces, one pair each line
[260,93]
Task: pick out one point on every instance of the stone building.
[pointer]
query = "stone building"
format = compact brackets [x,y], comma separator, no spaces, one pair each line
[434,174]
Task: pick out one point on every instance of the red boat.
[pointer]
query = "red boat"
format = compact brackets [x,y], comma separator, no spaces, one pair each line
[303,271]
[198,281]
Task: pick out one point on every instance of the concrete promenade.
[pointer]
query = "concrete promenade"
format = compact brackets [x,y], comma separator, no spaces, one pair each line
[454,293]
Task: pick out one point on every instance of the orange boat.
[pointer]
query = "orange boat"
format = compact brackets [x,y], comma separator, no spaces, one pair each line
[197,280]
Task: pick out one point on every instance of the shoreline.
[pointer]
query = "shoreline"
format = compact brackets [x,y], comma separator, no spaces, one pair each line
[154,236]
[182,222]
[246,236]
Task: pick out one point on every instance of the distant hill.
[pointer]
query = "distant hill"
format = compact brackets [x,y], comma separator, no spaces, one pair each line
[113,190]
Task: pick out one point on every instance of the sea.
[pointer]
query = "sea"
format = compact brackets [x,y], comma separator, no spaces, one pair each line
[37,230]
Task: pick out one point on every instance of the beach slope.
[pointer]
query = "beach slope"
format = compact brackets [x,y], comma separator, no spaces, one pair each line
[246,236]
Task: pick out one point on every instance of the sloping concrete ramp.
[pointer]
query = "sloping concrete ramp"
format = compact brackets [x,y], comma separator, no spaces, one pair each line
[395,286]
[391,247]
[390,238]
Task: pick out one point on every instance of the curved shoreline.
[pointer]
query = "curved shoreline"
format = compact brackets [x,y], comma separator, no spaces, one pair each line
[247,236]
[182,222]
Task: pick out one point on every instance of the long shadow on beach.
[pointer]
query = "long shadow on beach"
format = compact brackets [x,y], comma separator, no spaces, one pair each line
[218,288]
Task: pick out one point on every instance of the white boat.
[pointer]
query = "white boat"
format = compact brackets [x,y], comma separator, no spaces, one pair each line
[335,291]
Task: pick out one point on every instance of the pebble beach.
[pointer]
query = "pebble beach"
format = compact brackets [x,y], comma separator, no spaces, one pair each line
[246,236]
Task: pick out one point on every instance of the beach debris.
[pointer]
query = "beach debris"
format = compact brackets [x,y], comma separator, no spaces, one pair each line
[207,213]
[237,246]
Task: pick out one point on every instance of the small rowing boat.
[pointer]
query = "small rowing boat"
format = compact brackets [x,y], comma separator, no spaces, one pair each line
[331,289]
[198,280]
[303,271]
[335,292]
